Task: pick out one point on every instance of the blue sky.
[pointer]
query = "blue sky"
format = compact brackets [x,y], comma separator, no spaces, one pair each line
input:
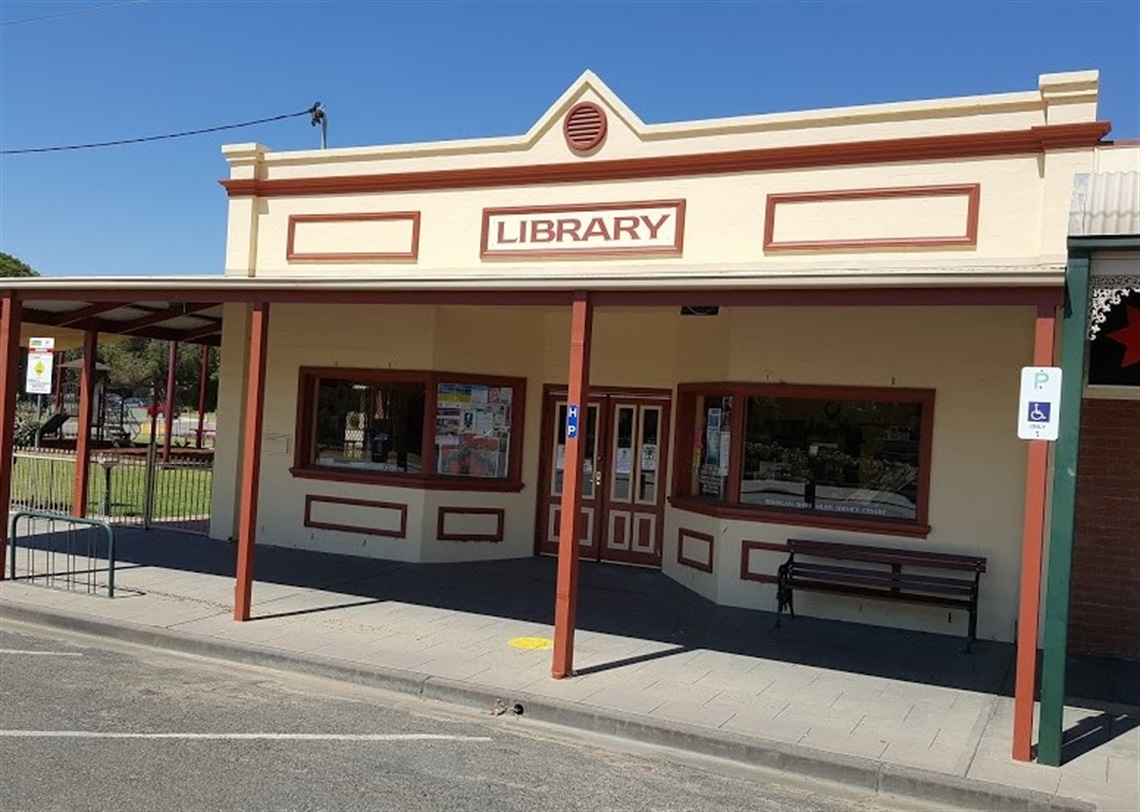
[394,72]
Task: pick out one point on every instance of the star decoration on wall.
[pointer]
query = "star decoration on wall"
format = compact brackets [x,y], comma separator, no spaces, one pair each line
[1130,337]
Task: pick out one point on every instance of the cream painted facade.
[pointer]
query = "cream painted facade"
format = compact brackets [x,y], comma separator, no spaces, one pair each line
[1004,211]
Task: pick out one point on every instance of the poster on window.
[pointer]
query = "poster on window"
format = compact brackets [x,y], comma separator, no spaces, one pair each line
[624,461]
[649,457]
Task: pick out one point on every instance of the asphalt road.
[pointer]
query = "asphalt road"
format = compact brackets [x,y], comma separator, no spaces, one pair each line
[95,724]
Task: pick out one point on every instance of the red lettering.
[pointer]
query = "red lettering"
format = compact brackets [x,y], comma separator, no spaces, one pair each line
[503,237]
[542,231]
[564,228]
[597,228]
[627,224]
[654,227]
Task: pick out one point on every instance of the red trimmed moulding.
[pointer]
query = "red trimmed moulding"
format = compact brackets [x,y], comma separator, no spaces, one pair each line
[399,507]
[444,511]
[746,548]
[682,534]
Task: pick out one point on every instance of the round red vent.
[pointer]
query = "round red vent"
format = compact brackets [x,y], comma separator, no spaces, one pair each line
[584,126]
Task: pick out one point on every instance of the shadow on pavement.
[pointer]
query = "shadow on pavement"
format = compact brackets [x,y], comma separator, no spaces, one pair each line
[628,602]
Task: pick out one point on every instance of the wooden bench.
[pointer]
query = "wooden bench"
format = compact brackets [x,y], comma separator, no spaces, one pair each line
[877,572]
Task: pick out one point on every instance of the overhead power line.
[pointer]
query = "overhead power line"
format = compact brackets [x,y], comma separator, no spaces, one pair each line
[315,111]
[71,13]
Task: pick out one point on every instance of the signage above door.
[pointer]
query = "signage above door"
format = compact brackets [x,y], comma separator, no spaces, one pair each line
[585,230]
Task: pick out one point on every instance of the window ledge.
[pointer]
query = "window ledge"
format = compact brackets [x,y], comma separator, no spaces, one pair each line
[753,514]
[409,480]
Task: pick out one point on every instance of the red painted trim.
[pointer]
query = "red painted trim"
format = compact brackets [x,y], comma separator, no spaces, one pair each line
[969,238]
[1029,296]
[790,518]
[83,430]
[566,587]
[444,511]
[409,481]
[1032,140]
[1032,544]
[399,507]
[836,297]
[251,459]
[411,255]
[676,249]
[684,533]
[746,548]
[10,312]
[587,146]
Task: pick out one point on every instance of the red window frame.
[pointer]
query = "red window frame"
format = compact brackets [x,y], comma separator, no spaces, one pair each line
[305,432]
[732,508]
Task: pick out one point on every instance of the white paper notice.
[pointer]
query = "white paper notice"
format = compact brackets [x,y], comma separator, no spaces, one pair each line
[624,461]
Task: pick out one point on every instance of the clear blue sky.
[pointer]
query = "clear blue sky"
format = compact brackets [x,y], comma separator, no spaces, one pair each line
[395,72]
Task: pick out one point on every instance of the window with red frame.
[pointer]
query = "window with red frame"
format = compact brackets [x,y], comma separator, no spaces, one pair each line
[806,454]
[387,425]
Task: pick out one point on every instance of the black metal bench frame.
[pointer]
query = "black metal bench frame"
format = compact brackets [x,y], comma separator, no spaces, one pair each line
[877,572]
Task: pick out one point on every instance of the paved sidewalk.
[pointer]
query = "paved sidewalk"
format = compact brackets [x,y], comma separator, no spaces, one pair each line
[896,711]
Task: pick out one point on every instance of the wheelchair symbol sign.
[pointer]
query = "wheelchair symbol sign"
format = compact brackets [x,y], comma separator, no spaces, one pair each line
[1039,412]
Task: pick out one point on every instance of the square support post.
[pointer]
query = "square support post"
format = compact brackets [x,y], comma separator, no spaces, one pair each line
[83,438]
[1074,338]
[251,459]
[168,414]
[1032,543]
[569,530]
[10,316]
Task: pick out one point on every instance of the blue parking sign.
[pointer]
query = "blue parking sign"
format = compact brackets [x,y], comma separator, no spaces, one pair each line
[572,422]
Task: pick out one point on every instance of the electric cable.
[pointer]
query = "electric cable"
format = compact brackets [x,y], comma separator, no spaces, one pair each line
[315,111]
[72,13]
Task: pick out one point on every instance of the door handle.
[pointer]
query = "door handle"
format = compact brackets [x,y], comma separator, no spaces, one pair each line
[597,479]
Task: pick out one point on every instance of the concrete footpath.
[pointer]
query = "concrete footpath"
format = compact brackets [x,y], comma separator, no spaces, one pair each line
[902,713]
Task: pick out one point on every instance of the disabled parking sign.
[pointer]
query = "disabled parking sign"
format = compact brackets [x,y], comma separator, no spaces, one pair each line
[1039,411]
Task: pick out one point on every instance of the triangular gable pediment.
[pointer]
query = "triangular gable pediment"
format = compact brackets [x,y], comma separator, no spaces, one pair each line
[623,128]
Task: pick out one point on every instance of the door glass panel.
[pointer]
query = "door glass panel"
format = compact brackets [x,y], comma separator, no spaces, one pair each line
[623,462]
[559,450]
[589,451]
[648,460]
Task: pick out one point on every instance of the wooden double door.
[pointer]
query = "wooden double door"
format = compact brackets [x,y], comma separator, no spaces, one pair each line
[624,438]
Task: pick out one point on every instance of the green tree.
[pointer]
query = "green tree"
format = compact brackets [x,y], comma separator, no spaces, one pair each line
[139,364]
[10,266]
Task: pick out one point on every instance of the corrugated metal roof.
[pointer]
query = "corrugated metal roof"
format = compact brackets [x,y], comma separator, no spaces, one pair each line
[1105,204]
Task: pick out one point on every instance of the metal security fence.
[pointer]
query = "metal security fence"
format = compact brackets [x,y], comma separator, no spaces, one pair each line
[63,552]
[125,487]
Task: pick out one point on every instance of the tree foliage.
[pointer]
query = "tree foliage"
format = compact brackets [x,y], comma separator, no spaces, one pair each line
[10,266]
[138,367]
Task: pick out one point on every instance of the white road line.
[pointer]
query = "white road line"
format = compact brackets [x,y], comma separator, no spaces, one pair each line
[41,653]
[305,737]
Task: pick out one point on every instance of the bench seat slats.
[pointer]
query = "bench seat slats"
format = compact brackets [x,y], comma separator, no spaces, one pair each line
[913,558]
[866,592]
[926,583]
[878,573]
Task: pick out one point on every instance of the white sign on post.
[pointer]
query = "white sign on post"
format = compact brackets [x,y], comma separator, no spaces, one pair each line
[41,356]
[1039,409]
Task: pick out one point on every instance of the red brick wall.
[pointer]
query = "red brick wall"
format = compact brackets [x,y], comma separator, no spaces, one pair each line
[1104,613]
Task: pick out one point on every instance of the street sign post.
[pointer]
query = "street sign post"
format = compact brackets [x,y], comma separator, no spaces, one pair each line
[1039,407]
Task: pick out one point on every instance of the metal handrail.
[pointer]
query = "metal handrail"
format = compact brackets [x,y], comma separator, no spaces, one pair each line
[73,520]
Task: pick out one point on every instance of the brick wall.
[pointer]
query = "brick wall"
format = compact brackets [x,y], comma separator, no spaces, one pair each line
[1104,614]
